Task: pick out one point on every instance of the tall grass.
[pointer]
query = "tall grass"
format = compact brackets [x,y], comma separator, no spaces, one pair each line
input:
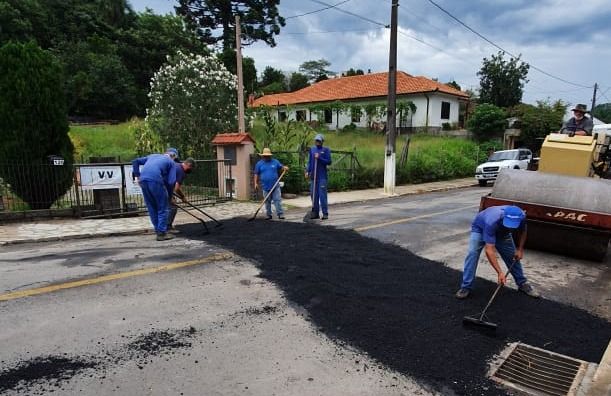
[103,141]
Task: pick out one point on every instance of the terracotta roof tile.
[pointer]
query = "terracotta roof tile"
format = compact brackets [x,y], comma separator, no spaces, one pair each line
[232,138]
[357,87]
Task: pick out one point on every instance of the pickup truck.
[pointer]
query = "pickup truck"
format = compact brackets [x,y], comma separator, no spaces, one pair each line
[514,159]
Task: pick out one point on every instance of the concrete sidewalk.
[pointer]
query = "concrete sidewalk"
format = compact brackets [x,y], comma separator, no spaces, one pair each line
[63,229]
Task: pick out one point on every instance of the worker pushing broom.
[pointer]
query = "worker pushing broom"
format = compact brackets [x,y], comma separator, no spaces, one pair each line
[491,230]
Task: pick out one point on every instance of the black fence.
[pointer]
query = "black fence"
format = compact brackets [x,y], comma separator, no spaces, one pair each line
[96,190]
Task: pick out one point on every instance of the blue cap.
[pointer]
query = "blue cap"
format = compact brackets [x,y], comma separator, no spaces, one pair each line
[513,217]
[172,151]
[319,137]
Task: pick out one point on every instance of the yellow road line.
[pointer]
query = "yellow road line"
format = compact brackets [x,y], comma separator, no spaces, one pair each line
[107,278]
[408,219]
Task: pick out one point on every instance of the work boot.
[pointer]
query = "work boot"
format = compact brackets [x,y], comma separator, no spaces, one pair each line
[530,291]
[281,217]
[461,294]
[162,236]
[325,217]
[314,215]
[269,217]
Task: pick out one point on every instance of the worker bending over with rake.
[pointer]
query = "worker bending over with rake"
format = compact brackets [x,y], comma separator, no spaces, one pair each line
[182,170]
[157,181]
[491,230]
[267,172]
[319,159]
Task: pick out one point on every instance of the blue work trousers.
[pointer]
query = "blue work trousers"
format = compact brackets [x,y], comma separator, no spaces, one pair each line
[276,198]
[506,249]
[156,200]
[319,200]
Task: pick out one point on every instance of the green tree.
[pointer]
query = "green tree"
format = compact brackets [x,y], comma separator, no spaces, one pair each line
[297,81]
[259,19]
[502,81]
[454,85]
[249,72]
[539,121]
[34,124]
[316,70]
[351,72]
[193,98]
[603,112]
[487,121]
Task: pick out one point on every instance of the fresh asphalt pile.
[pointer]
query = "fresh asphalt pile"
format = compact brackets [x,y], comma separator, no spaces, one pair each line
[400,308]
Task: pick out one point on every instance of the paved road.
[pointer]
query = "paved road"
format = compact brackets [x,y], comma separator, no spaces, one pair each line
[186,317]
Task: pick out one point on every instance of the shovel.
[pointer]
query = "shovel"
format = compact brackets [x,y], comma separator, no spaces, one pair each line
[481,320]
[268,195]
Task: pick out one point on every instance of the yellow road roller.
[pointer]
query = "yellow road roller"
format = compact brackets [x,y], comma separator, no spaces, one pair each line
[567,205]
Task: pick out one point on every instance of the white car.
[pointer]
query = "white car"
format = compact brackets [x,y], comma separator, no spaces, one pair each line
[513,159]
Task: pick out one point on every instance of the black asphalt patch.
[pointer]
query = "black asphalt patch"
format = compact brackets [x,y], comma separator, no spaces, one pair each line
[50,370]
[400,308]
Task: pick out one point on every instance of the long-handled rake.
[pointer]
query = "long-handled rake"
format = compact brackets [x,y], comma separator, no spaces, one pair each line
[191,214]
[268,195]
[216,222]
[314,192]
[481,321]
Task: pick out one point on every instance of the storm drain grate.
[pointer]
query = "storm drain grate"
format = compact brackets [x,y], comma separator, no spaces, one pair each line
[540,372]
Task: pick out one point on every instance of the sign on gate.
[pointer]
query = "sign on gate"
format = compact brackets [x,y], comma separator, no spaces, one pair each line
[131,187]
[100,177]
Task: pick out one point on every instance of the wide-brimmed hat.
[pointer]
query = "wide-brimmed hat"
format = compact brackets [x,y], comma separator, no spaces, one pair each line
[513,217]
[580,107]
[266,152]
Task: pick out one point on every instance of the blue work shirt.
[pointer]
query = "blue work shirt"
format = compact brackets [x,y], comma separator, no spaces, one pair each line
[324,159]
[156,168]
[180,173]
[268,172]
[489,223]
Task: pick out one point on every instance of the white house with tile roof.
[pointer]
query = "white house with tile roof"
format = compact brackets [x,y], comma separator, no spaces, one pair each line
[436,103]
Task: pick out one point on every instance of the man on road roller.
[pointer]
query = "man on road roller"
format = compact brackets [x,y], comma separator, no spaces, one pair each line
[491,230]
[579,124]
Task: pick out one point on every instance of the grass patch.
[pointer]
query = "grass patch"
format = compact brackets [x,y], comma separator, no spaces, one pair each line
[103,141]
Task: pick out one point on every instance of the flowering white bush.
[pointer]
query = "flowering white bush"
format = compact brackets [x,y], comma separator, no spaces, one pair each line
[193,97]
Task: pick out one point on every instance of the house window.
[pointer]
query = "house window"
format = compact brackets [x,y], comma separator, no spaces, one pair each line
[301,115]
[282,116]
[229,153]
[328,116]
[445,110]
[356,115]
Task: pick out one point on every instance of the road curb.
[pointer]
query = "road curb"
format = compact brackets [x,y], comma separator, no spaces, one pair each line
[74,236]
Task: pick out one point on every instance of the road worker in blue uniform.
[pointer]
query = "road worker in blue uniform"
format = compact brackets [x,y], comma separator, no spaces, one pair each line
[319,159]
[491,230]
[267,171]
[157,180]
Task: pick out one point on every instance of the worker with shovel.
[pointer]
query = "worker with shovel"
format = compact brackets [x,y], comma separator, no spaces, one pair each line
[491,230]
[157,180]
[267,172]
[319,159]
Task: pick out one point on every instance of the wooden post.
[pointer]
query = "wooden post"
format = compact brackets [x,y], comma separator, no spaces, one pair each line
[238,49]
[391,118]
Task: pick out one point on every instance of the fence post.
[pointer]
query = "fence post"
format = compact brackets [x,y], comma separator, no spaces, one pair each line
[123,187]
[76,168]
[227,164]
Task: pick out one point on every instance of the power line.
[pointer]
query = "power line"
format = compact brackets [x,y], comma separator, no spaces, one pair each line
[315,11]
[501,48]
[333,31]
[351,13]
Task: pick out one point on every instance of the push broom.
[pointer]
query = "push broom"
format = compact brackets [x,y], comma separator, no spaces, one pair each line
[481,320]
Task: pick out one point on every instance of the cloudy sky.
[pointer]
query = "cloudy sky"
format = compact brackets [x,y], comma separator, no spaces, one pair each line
[569,40]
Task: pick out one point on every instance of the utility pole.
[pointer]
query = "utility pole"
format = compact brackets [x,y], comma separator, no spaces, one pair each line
[391,118]
[238,50]
[594,98]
